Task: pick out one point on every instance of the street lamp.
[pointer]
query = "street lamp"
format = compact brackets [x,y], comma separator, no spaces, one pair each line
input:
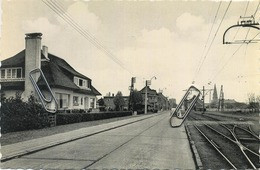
[147,83]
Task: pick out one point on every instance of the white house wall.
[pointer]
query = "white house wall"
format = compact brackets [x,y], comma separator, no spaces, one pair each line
[85,105]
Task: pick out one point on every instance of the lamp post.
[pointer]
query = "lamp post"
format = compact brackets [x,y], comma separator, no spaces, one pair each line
[147,83]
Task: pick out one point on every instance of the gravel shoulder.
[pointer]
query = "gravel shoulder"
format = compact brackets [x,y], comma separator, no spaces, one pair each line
[15,137]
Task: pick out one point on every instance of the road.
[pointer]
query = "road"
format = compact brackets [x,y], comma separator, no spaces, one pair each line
[150,143]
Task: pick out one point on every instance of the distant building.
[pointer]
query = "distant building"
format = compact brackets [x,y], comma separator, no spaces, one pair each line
[72,89]
[172,103]
[232,104]
[109,102]
[163,103]
[152,99]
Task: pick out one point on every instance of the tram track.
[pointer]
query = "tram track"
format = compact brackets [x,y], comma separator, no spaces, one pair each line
[236,144]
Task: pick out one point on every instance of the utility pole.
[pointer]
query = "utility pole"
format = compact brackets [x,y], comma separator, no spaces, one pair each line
[145,98]
[203,100]
[147,83]
[209,98]
[131,88]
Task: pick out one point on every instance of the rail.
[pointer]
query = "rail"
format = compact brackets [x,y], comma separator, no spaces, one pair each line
[235,140]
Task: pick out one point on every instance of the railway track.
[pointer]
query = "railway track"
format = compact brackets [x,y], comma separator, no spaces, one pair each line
[236,144]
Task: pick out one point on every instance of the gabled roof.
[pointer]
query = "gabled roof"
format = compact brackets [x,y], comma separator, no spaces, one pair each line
[63,64]
[162,96]
[57,72]
[55,76]
[18,60]
[149,90]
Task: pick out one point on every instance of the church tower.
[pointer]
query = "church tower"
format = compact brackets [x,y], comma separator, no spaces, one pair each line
[215,95]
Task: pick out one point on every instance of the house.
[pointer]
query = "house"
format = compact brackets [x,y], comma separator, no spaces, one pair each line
[163,103]
[72,89]
[172,103]
[109,102]
[152,98]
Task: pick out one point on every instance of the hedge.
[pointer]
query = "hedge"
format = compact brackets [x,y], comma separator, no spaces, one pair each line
[17,115]
[67,118]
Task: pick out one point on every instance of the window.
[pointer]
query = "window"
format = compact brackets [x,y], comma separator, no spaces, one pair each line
[80,82]
[63,100]
[92,103]
[14,73]
[81,101]
[75,100]
[9,71]
[19,73]
[3,73]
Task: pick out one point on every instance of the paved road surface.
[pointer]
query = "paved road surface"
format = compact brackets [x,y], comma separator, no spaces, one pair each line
[150,143]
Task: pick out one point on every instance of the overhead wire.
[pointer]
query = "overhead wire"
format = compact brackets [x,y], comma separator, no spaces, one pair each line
[256,8]
[231,58]
[227,47]
[214,20]
[246,8]
[213,38]
[60,11]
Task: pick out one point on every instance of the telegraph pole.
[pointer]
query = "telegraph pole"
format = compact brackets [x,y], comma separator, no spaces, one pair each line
[147,83]
[203,100]
[131,88]
[145,98]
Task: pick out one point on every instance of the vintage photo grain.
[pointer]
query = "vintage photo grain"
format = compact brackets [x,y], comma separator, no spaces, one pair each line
[130,84]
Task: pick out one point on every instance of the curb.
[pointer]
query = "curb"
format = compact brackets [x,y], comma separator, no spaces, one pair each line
[194,150]
[59,142]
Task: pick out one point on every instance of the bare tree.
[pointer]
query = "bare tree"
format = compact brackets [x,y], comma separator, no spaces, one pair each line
[253,101]
[251,97]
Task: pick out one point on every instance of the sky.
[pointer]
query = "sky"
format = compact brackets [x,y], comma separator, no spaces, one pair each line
[167,39]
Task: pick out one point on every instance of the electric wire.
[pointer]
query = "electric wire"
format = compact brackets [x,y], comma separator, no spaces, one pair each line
[246,8]
[68,19]
[231,58]
[86,33]
[256,8]
[213,38]
[227,48]
[214,20]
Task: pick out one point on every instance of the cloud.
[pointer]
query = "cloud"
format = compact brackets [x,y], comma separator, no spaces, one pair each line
[162,53]
[81,15]
[42,25]
[188,22]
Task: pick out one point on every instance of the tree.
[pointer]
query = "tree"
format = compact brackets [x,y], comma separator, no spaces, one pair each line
[102,106]
[101,102]
[137,99]
[253,101]
[119,101]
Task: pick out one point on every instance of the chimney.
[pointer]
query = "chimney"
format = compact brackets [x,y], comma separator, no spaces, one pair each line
[45,52]
[32,61]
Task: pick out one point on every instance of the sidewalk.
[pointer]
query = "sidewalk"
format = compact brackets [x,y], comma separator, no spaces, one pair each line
[22,148]
[148,144]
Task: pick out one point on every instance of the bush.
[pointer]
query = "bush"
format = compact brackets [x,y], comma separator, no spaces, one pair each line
[17,115]
[65,118]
